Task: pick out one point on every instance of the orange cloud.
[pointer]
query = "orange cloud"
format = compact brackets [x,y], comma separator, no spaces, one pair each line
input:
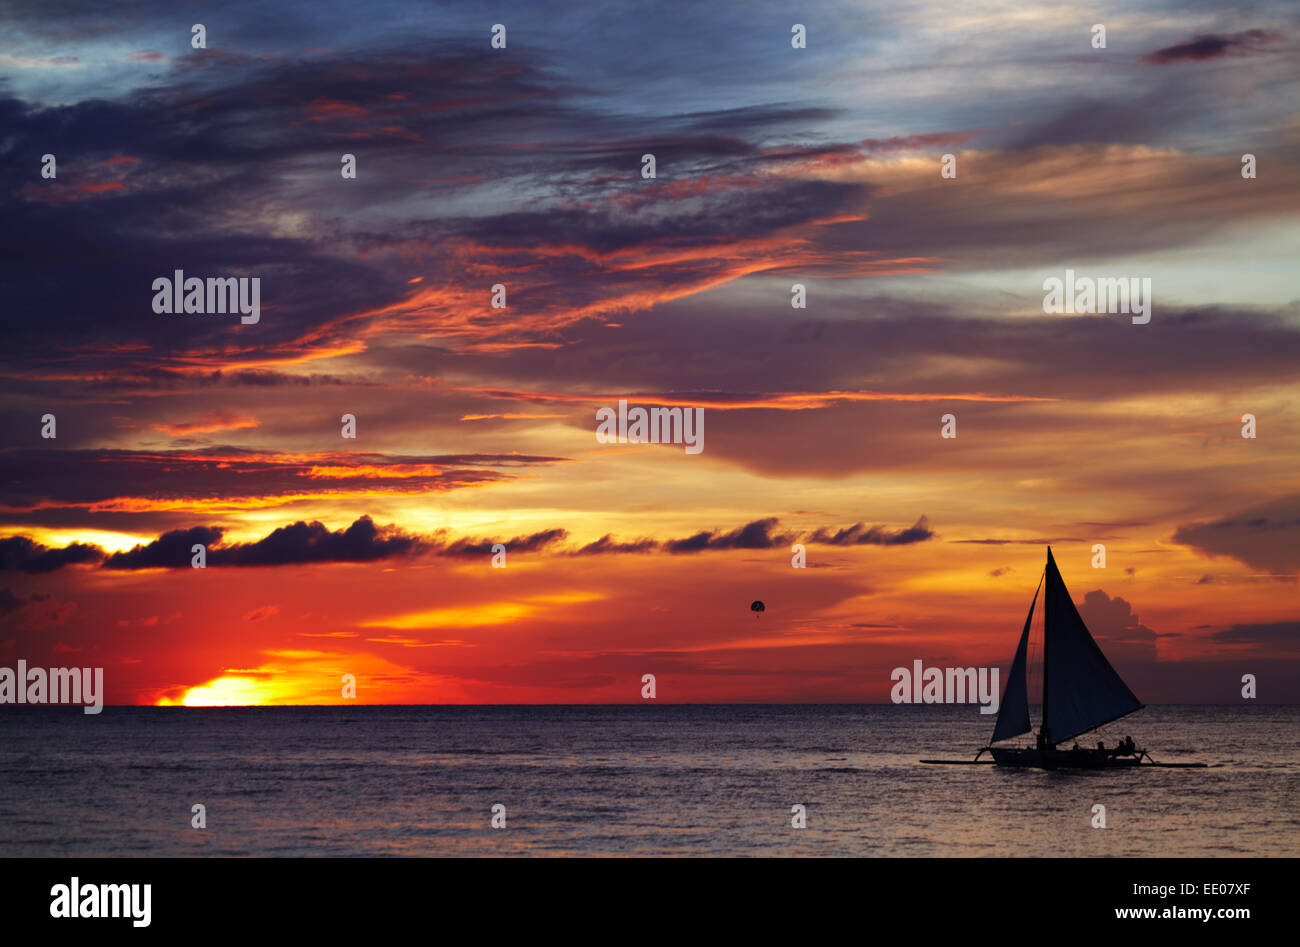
[213,421]
[782,401]
[482,613]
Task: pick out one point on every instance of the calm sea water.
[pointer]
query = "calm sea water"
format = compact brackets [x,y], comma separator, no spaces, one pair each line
[634,780]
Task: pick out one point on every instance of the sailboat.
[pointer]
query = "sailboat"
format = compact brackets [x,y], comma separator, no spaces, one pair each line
[1081,692]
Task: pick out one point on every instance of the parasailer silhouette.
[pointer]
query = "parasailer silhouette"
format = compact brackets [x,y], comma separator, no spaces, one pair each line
[757,607]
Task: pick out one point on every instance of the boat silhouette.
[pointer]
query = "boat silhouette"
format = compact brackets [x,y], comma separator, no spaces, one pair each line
[1081,692]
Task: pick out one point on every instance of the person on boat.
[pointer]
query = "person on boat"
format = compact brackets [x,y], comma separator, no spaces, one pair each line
[1128,747]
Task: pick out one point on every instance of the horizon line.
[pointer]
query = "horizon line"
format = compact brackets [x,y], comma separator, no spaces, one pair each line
[605,704]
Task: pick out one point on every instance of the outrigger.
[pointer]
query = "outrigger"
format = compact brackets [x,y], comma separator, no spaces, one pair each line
[1081,692]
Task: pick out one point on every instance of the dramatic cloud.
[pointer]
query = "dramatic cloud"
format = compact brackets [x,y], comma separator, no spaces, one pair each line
[302,542]
[483,547]
[475,426]
[1276,636]
[755,535]
[1121,636]
[1040,541]
[296,544]
[171,550]
[1265,537]
[21,554]
[859,535]
[9,601]
[1212,46]
[217,477]
[758,535]
[607,544]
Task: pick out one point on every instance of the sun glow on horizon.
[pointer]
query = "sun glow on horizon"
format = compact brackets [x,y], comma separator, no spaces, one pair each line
[224,692]
[297,678]
[107,540]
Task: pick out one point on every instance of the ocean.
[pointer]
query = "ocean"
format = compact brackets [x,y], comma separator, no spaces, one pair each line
[646,780]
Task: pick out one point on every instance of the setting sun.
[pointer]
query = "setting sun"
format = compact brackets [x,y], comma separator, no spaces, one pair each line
[225,692]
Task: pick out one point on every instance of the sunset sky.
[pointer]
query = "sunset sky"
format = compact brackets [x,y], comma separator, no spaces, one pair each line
[475,426]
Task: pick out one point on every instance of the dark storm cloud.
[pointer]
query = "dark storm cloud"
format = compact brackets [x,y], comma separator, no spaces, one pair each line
[483,547]
[755,535]
[22,554]
[607,544]
[1085,120]
[208,154]
[273,109]
[303,543]
[759,535]
[1265,537]
[711,217]
[1020,542]
[171,550]
[1112,621]
[194,174]
[10,602]
[859,535]
[298,543]
[895,344]
[1281,636]
[82,478]
[226,149]
[1214,46]
[753,117]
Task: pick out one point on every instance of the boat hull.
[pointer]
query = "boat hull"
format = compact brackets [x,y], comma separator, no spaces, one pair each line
[1061,759]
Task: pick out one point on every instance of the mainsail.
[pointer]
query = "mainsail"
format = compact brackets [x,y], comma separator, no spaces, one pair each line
[1080,688]
[1013,717]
